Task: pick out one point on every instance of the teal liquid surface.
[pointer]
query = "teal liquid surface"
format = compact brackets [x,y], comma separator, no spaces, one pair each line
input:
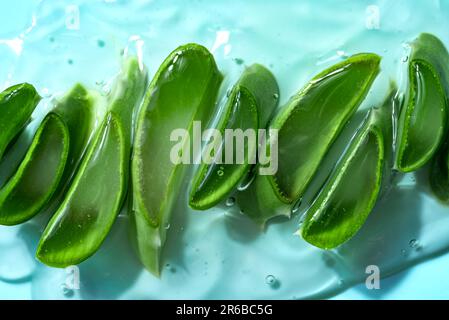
[221,253]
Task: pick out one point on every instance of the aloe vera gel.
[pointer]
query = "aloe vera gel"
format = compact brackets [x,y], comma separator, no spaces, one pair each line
[217,159]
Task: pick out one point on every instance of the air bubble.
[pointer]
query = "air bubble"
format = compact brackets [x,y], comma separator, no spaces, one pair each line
[230,202]
[67,292]
[272,281]
[414,244]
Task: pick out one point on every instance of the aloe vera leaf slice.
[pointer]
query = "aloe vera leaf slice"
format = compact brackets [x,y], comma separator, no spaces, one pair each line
[264,87]
[302,144]
[215,181]
[252,101]
[183,90]
[352,189]
[423,119]
[54,152]
[428,98]
[94,199]
[17,103]
[313,119]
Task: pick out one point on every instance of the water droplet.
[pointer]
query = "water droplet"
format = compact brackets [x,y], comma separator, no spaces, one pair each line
[341,54]
[220,173]
[275,96]
[405,59]
[101,43]
[70,61]
[170,268]
[403,252]
[230,202]
[239,61]
[270,279]
[414,244]
[167,226]
[67,291]
[52,39]
[46,93]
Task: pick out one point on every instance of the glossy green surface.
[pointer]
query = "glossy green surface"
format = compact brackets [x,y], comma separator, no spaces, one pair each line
[314,117]
[183,90]
[427,104]
[431,48]
[16,106]
[352,189]
[56,149]
[96,195]
[307,126]
[215,181]
[250,105]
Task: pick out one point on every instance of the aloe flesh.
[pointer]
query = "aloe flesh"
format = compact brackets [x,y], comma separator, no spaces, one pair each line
[350,193]
[97,193]
[250,104]
[423,119]
[307,126]
[17,103]
[183,90]
[50,160]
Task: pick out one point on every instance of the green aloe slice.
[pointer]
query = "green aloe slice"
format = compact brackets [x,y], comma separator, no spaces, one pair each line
[96,195]
[351,191]
[16,106]
[423,119]
[250,104]
[307,126]
[183,90]
[50,161]
[313,119]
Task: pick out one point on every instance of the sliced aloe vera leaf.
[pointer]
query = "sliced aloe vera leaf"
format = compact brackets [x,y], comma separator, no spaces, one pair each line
[50,161]
[264,87]
[313,119]
[183,90]
[423,119]
[250,104]
[306,128]
[352,189]
[16,106]
[94,199]
[429,48]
